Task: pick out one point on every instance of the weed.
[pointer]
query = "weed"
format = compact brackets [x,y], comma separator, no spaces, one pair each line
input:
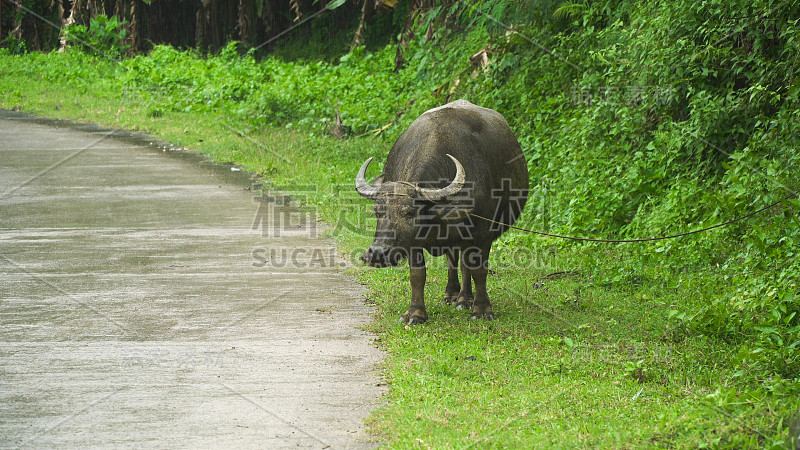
[103,37]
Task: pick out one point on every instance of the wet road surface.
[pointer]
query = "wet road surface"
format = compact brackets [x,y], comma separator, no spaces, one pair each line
[140,307]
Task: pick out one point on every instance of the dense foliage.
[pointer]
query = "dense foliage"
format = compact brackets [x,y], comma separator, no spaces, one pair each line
[103,36]
[637,119]
[665,117]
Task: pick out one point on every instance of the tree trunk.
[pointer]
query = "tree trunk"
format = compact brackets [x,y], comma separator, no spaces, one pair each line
[136,38]
[200,38]
[83,11]
[119,9]
[407,35]
[366,12]
[212,25]
[268,15]
[1,21]
[16,25]
[66,20]
[244,22]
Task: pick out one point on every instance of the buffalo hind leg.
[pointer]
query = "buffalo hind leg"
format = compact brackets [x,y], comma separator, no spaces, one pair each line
[453,287]
[465,297]
[478,263]
[416,313]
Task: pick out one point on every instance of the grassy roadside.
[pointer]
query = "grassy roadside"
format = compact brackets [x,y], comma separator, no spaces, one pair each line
[571,359]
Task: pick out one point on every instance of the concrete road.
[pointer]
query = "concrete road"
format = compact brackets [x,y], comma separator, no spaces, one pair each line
[139,307]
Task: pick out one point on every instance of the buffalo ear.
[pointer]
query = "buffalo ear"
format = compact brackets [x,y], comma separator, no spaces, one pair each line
[451,214]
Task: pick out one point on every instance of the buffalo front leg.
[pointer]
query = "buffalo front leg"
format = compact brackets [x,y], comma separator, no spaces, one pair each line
[416,312]
[465,297]
[478,263]
[453,287]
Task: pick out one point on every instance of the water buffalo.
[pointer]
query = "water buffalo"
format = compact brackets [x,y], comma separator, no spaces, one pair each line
[453,163]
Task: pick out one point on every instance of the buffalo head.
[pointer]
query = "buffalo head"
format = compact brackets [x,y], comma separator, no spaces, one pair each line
[397,209]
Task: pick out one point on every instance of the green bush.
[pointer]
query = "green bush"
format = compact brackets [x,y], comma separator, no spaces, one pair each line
[104,36]
[13,45]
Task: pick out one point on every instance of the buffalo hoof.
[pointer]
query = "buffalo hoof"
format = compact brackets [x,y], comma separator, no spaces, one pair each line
[464,302]
[482,312]
[450,298]
[476,316]
[414,316]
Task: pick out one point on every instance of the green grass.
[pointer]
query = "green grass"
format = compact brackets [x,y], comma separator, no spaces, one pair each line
[567,364]
[583,359]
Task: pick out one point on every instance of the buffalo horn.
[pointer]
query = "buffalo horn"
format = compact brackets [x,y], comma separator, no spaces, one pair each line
[363,187]
[451,189]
